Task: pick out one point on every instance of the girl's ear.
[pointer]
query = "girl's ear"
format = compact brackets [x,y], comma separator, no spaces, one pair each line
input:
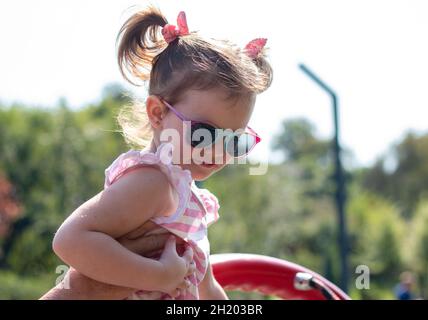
[155,110]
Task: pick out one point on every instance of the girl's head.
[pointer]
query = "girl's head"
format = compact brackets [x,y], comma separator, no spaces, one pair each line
[205,80]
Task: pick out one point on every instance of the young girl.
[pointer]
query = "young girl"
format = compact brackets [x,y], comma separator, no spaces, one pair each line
[201,93]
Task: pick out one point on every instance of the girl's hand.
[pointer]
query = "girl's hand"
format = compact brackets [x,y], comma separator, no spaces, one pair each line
[175,268]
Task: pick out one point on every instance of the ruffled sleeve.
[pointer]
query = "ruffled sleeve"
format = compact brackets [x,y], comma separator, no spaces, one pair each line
[179,178]
[211,205]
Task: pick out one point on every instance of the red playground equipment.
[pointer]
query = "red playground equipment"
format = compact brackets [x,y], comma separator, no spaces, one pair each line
[272,276]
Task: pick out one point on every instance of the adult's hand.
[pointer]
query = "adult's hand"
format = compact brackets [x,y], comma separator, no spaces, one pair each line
[84,288]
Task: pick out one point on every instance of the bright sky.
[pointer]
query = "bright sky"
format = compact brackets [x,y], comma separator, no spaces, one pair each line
[372,53]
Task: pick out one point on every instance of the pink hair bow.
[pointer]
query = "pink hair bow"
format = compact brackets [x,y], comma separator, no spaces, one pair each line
[254,47]
[171,32]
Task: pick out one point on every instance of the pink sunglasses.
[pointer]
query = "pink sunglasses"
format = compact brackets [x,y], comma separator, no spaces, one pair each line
[235,144]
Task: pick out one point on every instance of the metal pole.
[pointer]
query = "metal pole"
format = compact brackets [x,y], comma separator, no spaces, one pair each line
[340,196]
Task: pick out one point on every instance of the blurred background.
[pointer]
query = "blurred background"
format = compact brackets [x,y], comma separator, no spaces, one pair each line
[60,90]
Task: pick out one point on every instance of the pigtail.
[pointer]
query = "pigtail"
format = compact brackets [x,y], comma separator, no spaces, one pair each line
[265,70]
[140,42]
[256,51]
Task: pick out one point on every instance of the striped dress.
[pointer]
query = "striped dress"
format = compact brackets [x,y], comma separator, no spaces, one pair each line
[197,209]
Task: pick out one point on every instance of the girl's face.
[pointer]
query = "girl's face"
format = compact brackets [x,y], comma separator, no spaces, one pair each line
[209,106]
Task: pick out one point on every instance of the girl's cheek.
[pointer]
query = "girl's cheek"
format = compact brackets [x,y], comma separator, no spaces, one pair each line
[172,132]
[227,158]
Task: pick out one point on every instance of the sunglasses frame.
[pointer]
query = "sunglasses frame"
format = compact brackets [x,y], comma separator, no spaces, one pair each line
[247,130]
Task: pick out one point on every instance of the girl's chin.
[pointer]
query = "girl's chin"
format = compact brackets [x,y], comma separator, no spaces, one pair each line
[202,172]
[200,176]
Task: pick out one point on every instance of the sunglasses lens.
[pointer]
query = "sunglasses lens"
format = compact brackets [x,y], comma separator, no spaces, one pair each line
[240,145]
[203,135]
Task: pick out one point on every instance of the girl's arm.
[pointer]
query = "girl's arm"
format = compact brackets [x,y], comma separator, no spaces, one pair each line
[210,289]
[76,286]
[86,241]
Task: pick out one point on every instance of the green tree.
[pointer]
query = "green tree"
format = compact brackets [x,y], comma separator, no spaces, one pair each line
[402,174]
[56,159]
[417,249]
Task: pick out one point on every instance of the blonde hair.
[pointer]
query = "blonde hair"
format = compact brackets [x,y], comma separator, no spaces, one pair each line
[188,62]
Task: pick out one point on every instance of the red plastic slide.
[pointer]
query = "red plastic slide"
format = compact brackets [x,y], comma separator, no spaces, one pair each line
[267,275]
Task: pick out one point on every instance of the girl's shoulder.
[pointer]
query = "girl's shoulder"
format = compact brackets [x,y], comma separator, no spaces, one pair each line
[145,193]
[155,168]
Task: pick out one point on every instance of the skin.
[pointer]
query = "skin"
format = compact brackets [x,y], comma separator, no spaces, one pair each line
[90,235]
[84,288]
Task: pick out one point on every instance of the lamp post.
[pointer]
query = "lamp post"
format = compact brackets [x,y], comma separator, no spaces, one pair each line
[339,179]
